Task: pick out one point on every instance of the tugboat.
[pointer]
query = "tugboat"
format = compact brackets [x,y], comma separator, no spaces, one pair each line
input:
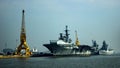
[64,46]
[104,50]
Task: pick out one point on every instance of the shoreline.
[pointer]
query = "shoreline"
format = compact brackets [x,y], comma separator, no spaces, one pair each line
[13,56]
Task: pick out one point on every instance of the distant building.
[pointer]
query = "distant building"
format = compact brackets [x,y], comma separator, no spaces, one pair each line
[8,51]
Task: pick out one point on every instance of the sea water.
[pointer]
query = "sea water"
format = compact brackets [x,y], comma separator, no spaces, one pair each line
[62,62]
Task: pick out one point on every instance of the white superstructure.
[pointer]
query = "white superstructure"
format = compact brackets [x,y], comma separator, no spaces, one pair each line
[106,52]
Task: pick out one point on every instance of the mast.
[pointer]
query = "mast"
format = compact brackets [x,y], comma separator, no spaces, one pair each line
[66,34]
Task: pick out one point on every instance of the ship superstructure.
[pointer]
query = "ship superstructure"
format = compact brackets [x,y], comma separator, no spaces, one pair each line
[104,50]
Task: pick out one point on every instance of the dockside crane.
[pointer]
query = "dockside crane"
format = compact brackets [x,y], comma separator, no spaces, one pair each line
[77,43]
[23,43]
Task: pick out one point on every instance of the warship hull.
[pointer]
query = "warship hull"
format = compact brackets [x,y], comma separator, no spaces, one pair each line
[68,50]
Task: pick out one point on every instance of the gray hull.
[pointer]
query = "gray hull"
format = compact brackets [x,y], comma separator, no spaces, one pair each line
[56,49]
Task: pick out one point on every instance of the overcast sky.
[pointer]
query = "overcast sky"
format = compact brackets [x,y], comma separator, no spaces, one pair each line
[93,19]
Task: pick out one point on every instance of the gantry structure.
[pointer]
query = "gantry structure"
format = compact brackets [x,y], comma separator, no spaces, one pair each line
[23,43]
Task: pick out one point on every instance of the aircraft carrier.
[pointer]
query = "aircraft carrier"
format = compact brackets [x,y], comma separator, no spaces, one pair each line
[64,46]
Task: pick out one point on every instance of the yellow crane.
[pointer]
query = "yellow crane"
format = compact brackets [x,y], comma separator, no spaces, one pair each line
[23,44]
[77,43]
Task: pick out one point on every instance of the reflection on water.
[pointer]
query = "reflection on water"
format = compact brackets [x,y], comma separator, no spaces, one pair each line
[62,62]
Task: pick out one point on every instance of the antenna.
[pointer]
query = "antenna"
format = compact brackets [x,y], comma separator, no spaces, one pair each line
[66,34]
